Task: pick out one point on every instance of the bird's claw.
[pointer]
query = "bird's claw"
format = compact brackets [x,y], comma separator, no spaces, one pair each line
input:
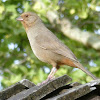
[47,80]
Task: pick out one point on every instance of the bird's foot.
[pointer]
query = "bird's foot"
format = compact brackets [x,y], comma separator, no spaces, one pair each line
[48,79]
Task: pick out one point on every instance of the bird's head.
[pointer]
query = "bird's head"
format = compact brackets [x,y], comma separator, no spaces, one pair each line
[28,19]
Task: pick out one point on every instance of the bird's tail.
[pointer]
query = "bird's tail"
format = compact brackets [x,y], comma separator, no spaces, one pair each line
[85,70]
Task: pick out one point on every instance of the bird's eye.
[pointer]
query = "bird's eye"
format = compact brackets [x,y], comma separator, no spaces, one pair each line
[26,16]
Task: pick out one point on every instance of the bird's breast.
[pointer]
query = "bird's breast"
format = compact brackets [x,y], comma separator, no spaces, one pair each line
[42,54]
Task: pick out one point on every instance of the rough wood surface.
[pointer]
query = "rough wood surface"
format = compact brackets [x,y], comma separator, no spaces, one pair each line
[56,89]
[38,92]
[16,88]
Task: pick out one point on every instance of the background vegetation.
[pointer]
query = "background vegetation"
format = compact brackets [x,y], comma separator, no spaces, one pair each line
[17,60]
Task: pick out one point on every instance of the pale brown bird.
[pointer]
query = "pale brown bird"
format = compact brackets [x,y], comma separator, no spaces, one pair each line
[47,47]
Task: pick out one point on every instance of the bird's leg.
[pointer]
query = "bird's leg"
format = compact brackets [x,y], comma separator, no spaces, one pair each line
[53,71]
[50,76]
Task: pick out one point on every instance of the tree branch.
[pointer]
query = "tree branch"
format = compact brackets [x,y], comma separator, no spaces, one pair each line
[65,26]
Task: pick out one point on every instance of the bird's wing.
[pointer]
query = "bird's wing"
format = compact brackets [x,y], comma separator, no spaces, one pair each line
[51,42]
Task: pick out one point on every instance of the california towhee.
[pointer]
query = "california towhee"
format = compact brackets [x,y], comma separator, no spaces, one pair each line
[47,47]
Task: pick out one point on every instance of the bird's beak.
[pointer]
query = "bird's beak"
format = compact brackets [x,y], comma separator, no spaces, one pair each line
[19,18]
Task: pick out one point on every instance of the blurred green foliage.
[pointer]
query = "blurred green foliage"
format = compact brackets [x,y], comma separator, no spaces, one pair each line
[17,60]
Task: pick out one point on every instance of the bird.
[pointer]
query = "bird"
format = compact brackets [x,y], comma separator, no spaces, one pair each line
[47,47]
